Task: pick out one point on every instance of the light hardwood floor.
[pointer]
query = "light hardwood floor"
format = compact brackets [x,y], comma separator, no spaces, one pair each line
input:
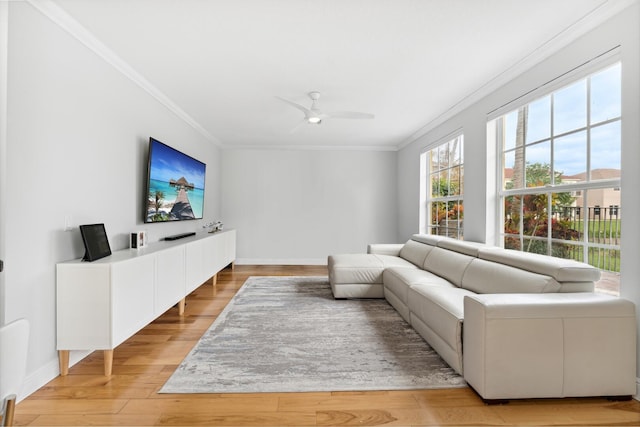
[143,363]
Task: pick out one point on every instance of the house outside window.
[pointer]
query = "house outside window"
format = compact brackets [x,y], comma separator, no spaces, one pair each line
[442,189]
[560,174]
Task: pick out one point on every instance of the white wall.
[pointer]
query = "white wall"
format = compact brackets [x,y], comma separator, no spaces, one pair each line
[4,50]
[76,146]
[479,191]
[299,206]
[630,267]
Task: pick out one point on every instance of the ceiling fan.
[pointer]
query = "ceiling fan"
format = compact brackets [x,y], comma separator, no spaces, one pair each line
[313,115]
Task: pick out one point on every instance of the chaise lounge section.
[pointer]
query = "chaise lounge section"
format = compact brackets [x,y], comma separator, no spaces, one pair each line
[531,326]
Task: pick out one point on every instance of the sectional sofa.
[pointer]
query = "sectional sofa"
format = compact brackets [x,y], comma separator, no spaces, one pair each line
[514,324]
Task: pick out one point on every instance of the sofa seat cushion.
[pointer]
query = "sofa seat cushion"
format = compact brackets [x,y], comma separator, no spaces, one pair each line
[438,313]
[486,277]
[355,268]
[441,308]
[563,270]
[399,279]
[361,268]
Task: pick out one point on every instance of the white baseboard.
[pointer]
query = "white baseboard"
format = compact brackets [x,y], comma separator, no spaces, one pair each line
[637,396]
[46,373]
[286,261]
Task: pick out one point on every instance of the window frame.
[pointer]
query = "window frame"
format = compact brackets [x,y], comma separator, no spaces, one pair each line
[597,66]
[426,188]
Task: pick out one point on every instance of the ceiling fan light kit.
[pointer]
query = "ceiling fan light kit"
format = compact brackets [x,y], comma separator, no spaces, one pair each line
[313,115]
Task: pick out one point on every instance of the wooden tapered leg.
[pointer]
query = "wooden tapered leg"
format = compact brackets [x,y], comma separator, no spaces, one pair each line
[108,362]
[181,305]
[214,280]
[9,409]
[63,362]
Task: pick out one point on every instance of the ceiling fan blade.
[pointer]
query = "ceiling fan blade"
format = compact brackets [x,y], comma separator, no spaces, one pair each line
[307,112]
[349,115]
[296,127]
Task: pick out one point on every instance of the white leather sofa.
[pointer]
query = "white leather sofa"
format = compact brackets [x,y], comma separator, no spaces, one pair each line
[514,324]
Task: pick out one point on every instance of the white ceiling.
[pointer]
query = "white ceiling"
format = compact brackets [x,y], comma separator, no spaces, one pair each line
[221,63]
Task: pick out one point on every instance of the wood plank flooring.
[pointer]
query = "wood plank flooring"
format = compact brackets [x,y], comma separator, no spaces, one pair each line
[143,363]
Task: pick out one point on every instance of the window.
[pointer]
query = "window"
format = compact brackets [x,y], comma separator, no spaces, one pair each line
[441,189]
[560,183]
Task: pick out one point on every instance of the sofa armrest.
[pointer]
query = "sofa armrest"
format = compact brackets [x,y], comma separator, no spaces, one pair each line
[549,345]
[385,248]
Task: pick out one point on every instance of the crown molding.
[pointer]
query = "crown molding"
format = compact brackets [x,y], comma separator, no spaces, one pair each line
[65,21]
[312,147]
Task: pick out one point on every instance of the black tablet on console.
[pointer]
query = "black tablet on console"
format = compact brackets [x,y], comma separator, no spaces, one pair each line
[96,244]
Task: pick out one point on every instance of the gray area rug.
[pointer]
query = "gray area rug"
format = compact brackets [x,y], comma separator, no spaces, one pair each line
[288,334]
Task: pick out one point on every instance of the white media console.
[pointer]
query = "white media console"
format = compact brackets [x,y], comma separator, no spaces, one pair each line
[102,303]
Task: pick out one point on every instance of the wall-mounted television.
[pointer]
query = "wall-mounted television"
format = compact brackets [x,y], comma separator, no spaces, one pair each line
[175,185]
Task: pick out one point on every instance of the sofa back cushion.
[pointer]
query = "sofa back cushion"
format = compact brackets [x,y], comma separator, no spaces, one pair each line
[462,246]
[563,270]
[415,252]
[448,264]
[428,239]
[486,277]
[568,287]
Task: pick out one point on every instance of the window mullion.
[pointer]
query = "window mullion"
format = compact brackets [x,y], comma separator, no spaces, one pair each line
[603,183]
[521,222]
[585,226]
[588,129]
[549,222]
[552,139]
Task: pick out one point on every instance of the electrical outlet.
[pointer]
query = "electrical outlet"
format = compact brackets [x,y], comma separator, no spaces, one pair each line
[68,223]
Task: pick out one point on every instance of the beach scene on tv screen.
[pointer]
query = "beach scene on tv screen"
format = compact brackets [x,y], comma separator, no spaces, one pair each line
[176,185]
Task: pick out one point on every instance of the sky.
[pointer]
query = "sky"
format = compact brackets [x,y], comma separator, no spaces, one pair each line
[571,107]
[168,163]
